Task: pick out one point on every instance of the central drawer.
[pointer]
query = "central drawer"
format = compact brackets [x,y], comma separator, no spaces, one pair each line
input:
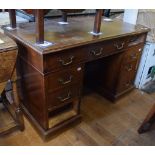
[106,48]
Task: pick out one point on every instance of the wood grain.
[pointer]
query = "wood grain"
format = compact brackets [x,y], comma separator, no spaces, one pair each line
[74,34]
[73,45]
[8,56]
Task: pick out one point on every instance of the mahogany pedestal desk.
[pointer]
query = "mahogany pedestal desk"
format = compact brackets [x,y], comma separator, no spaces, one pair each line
[52,77]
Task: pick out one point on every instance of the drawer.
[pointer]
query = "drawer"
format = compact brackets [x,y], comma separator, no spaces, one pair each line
[62,60]
[63,96]
[70,57]
[136,39]
[64,78]
[106,48]
[127,76]
[133,54]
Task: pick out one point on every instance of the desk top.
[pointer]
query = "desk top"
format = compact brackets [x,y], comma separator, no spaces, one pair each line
[74,34]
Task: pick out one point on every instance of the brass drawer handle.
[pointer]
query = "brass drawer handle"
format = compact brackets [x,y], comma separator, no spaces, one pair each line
[127,84]
[133,56]
[67,63]
[134,39]
[62,99]
[62,81]
[129,68]
[97,53]
[119,47]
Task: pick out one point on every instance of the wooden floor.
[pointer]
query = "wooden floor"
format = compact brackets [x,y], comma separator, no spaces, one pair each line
[103,123]
[7,123]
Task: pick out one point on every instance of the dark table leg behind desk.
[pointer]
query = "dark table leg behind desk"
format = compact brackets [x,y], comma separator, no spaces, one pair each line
[148,121]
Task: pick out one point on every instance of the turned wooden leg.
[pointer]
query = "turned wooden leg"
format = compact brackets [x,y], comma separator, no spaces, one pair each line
[148,121]
[39,17]
[64,16]
[12,16]
[97,21]
[18,112]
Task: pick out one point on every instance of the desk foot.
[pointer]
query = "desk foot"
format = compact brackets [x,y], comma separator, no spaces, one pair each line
[47,135]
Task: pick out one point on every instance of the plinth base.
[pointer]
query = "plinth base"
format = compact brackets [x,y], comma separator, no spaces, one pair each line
[54,131]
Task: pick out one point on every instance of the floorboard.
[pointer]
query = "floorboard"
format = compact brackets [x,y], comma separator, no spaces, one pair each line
[103,123]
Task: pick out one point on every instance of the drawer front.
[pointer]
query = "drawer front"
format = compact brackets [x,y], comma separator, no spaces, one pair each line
[64,78]
[136,39]
[70,57]
[63,96]
[133,54]
[127,76]
[106,48]
[117,45]
[62,60]
[59,60]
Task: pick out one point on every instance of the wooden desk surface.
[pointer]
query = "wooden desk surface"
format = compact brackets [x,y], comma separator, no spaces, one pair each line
[74,34]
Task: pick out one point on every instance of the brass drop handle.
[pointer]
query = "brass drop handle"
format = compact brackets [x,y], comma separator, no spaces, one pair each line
[62,99]
[66,63]
[119,47]
[133,56]
[97,53]
[62,81]
[127,84]
[134,39]
[129,68]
